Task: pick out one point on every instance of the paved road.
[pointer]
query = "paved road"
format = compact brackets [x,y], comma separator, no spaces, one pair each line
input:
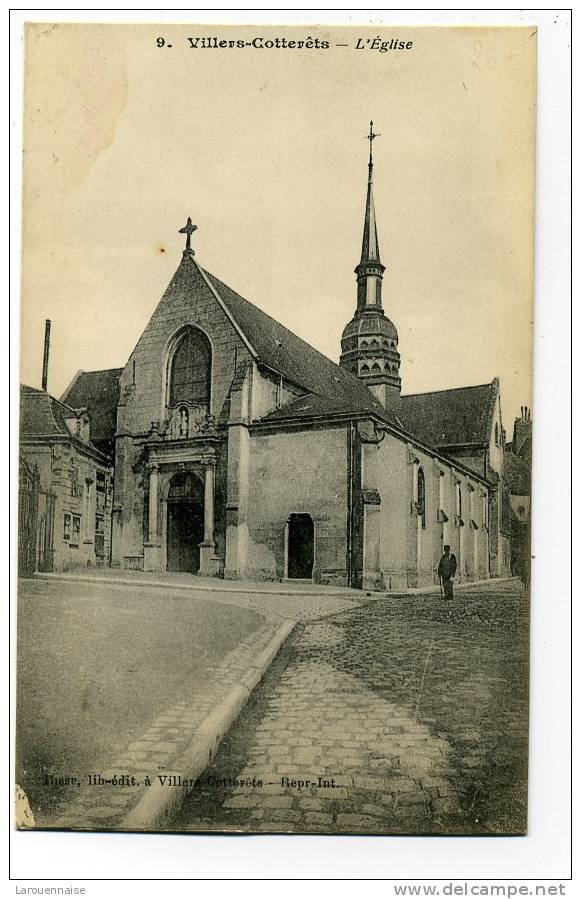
[400,716]
[96,664]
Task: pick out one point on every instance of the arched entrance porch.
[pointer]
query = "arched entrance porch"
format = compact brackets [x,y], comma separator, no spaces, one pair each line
[185,522]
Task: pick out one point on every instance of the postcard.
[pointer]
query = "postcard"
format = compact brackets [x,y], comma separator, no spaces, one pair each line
[275,429]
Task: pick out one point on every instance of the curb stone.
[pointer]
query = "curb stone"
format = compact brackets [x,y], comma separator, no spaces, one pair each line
[158,802]
[344,592]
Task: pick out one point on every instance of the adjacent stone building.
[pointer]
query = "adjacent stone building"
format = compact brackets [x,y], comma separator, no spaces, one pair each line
[518,465]
[241,451]
[66,487]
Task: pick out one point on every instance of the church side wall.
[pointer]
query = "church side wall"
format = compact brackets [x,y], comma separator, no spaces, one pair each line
[300,472]
[394,482]
[410,552]
[269,392]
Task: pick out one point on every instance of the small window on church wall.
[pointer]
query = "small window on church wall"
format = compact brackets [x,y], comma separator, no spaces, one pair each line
[496,433]
[458,499]
[422,496]
[191,370]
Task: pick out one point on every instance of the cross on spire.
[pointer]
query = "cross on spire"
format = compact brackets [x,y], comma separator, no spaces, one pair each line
[188,230]
[371,137]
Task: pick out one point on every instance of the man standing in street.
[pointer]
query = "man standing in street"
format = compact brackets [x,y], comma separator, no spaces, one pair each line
[447,571]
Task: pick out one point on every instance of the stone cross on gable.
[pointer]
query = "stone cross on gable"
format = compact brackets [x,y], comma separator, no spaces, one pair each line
[188,230]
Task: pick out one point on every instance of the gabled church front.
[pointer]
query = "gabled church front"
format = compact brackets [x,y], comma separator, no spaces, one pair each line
[241,451]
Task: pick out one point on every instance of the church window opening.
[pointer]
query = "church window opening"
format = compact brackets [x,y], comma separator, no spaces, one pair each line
[458,499]
[422,496]
[375,367]
[191,370]
[76,531]
[364,369]
[496,433]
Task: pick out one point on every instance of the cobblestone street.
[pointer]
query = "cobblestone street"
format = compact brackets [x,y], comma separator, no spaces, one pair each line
[400,716]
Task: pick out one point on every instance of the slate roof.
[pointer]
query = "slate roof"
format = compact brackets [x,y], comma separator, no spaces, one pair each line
[330,388]
[441,419]
[460,416]
[98,392]
[44,417]
[41,415]
[517,474]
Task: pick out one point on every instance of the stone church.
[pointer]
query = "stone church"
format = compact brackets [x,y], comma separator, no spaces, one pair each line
[241,451]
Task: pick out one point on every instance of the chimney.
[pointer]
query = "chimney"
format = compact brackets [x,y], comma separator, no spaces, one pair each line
[46,353]
[523,428]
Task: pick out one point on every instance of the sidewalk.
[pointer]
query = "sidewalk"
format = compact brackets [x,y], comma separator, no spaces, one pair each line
[185,581]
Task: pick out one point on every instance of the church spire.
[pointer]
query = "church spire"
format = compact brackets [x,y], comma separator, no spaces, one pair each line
[369,341]
[370,270]
[370,244]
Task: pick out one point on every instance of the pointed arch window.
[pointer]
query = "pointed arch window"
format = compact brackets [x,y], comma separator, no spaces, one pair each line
[422,496]
[190,370]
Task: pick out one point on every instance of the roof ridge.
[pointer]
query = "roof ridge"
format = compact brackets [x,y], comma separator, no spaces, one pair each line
[96,371]
[209,279]
[68,408]
[50,401]
[406,396]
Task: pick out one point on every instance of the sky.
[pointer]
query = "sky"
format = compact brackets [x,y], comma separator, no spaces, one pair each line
[265,149]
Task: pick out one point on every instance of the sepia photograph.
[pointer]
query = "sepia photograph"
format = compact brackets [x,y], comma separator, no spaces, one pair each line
[276,429]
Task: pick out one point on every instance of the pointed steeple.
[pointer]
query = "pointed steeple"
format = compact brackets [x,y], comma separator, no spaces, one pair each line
[370,270]
[370,244]
[369,341]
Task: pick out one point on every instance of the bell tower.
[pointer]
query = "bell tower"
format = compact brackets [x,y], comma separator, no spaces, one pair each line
[369,342]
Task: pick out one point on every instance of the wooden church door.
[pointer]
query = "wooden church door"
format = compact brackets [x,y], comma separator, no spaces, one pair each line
[185,523]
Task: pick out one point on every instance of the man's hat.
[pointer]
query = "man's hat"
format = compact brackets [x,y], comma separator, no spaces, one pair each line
[446,546]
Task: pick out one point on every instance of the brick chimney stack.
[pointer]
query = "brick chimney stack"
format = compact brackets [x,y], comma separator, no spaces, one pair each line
[523,428]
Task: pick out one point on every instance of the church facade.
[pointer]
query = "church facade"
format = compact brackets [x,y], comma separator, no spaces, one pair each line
[240,451]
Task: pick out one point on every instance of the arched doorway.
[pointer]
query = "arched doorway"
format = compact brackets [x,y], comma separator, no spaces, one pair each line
[301,546]
[185,522]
